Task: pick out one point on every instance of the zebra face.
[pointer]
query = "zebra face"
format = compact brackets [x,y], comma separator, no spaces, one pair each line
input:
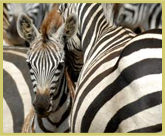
[46,66]
[46,59]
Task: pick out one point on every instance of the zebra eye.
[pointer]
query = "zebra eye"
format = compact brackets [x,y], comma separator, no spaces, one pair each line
[60,66]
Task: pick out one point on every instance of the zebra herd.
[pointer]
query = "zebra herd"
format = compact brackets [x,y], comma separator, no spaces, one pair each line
[116,73]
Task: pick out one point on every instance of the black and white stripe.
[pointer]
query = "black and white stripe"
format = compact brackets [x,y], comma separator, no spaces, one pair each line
[17,89]
[144,15]
[120,85]
[47,63]
[73,50]
[47,72]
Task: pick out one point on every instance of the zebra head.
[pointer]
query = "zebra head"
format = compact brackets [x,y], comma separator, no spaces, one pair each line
[46,58]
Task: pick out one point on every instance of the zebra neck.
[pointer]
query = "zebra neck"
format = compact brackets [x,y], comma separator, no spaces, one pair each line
[92,24]
[74,60]
[62,103]
[63,106]
[59,120]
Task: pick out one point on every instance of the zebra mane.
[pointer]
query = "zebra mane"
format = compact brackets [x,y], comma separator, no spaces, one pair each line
[112,11]
[51,23]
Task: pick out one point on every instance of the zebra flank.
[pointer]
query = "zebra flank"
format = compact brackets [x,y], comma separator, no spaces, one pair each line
[119,88]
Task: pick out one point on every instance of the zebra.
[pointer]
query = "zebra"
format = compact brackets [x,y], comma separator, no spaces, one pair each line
[145,16]
[119,88]
[17,94]
[36,11]
[46,60]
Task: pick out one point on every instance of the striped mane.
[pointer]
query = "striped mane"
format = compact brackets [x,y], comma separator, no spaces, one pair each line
[51,23]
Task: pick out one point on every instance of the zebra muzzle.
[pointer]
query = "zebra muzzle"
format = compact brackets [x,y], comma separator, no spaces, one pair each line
[42,105]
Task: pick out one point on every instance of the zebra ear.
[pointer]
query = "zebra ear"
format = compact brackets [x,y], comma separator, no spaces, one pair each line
[70,27]
[26,28]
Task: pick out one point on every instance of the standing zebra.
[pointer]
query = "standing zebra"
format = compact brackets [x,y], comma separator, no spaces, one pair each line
[17,87]
[146,16]
[36,11]
[119,88]
[46,60]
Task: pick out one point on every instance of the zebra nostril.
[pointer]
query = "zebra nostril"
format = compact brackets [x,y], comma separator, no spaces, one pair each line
[41,111]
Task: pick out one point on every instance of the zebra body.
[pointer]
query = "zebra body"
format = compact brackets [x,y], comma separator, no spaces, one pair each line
[17,94]
[120,85]
[144,15]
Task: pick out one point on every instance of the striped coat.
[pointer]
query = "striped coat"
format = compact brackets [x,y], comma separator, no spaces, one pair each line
[17,89]
[120,85]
